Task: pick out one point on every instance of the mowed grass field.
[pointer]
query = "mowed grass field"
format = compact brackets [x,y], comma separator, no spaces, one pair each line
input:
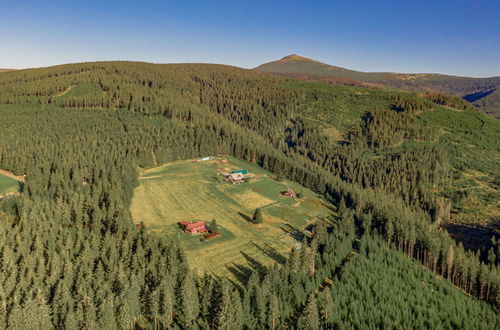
[188,190]
[8,185]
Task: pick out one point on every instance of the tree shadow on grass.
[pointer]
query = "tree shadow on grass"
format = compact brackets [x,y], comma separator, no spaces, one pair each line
[243,272]
[293,232]
[244,216]
[255,264]
[271,252]
[240,272]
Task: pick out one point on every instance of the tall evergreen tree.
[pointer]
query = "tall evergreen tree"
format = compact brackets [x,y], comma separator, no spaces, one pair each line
[257,216]
[310,316]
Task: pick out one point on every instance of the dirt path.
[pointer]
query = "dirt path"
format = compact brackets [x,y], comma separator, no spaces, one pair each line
[12,175]
[66,91]
[9,195]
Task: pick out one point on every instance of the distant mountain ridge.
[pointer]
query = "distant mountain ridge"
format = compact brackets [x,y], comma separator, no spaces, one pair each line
[484,93]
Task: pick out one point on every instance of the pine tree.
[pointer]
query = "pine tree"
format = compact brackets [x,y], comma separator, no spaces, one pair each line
[257,216]
[449,261]
[326,306]
[237,308]
[33,314]
[223,313]
[310,315]
[189,307]
[273,313]
[214,227]
[389,231]
[491,256]
[166,303]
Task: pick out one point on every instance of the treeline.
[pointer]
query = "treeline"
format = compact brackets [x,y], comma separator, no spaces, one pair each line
[379,274]
[409,103]
[448,100]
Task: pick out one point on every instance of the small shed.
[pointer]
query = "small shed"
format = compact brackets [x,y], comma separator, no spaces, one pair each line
[289,193]
[244,172]
[236,177]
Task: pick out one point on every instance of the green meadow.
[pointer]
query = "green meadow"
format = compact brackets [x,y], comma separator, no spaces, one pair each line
[188,190]
[8,185]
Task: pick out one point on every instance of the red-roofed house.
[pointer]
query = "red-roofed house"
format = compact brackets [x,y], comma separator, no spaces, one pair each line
[193,227]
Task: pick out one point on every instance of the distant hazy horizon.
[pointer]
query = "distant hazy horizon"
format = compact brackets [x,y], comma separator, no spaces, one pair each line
[448,37]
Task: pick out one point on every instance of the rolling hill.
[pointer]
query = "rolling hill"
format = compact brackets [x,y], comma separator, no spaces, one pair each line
[484,93]
[105,146]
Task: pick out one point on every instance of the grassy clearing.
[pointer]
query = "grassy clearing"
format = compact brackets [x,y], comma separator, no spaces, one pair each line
[187,191]
[471,140]
[339,108]
[475,198]
[8,185]
[80,90]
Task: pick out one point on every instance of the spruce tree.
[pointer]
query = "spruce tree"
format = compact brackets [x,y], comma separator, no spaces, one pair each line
[223,312]
[214,227]
[189,307]
[310,316]
[326,306]
[273,313]
[257,216]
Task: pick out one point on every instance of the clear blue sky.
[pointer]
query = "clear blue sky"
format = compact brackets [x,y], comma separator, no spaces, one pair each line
[454,37]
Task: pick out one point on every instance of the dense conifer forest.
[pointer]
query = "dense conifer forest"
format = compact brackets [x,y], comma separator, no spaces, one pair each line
[70,256]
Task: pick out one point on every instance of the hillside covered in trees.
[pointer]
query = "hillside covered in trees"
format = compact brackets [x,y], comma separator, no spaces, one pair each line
[396,166]
[484,93]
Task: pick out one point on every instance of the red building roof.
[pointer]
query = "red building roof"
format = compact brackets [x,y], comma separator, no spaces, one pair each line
[196,226]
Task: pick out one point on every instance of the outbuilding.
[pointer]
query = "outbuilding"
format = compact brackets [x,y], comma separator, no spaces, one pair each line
[289,193]
[236,178]
[244,172]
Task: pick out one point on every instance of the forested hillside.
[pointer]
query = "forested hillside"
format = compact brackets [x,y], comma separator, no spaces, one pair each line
[389,161]
[484,93]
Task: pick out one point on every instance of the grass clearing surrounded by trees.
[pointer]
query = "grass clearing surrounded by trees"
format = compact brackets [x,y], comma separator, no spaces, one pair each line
[471,140]
[187,190]
[8,185]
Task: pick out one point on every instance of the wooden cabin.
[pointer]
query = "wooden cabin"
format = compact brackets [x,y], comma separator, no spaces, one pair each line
[193,227]
[289,193]
[236,178]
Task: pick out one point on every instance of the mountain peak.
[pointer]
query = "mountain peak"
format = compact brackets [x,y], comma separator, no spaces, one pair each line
[295,57]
